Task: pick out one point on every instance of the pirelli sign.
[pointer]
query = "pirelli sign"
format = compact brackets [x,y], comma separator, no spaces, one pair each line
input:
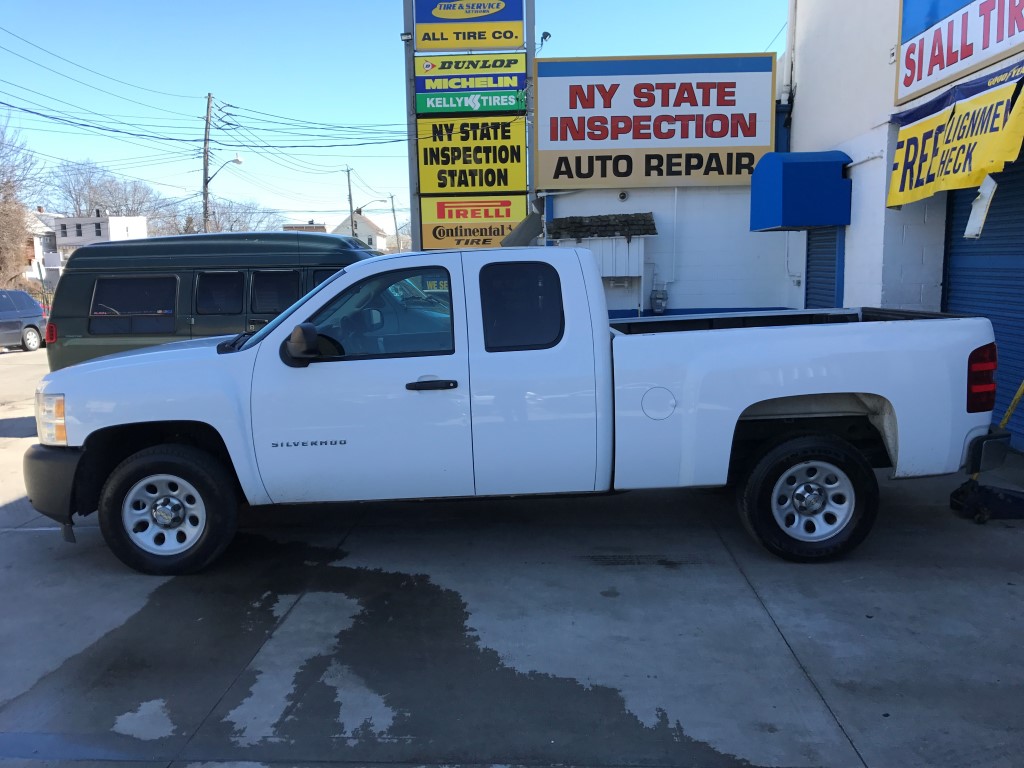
[469,222]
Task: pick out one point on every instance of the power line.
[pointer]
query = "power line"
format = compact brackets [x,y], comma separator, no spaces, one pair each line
[93,71]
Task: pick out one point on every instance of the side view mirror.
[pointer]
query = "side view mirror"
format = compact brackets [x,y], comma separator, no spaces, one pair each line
[300,348]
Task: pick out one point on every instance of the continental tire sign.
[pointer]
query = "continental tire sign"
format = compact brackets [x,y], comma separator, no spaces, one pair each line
[472,154]
[653,122]
[469,222]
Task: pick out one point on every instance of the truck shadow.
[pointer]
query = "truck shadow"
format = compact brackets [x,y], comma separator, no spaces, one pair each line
[19,426]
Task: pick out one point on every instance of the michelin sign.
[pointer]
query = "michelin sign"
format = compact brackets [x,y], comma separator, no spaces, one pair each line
[471,83]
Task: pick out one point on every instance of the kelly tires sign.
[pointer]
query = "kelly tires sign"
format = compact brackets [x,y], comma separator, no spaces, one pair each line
[471,83]
[650,122]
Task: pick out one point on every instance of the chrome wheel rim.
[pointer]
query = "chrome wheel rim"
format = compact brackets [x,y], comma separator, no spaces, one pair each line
[163,514]
[813,501]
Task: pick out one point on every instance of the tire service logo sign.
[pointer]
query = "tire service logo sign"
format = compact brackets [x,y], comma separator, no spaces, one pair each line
[468,26]
[470,222]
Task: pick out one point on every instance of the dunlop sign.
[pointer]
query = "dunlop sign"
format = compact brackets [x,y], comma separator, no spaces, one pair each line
[468,26]
[653,122]
[471,83]
[957,146]
[469,222]
[472,154]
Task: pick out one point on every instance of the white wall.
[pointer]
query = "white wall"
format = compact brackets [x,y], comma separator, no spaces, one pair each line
[844,86]
[704,251]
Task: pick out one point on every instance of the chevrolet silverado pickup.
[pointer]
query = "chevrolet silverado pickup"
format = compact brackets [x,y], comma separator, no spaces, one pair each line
[498,373]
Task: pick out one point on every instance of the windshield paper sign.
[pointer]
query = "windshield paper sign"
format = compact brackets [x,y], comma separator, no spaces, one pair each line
[950,144]
[653,122]
[468,26]
[471,83]
[943,40]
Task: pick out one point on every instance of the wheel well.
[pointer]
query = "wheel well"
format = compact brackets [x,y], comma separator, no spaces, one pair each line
[106,448]
[865,421]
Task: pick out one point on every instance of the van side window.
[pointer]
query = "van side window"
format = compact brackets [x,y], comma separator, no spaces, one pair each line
[319,275]
[521,304]
[220,293]
[273,291]
[6,302]
[133,305]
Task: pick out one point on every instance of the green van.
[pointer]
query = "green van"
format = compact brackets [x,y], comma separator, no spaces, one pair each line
[128,294]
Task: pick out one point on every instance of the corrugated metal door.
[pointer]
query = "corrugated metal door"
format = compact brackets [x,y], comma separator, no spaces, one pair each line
[986,277]
[823,281]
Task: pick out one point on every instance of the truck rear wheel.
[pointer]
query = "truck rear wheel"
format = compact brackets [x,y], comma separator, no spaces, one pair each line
[168,510]
[810,498]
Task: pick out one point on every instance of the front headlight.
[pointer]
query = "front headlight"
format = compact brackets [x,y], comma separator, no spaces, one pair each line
[50,425]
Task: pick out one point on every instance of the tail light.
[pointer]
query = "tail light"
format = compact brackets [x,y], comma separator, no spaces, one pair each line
[981,379]
[51,333]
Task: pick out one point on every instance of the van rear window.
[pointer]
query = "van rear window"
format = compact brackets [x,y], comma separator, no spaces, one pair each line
[133,305]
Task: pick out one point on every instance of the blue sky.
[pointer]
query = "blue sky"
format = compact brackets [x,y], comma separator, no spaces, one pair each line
[336,67]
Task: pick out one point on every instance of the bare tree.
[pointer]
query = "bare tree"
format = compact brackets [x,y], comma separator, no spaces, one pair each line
[231,216]
[18,179]
[126,197]
[77,189]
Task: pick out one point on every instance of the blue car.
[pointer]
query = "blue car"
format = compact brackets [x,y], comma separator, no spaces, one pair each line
[21,321]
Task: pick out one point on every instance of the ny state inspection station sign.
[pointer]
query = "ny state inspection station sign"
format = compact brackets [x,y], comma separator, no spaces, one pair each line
[652,121]
[468,26]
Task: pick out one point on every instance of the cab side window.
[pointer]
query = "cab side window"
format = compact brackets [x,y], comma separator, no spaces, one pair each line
[273,290]
[133,305]
[220,293]
[521,305]
[390,315]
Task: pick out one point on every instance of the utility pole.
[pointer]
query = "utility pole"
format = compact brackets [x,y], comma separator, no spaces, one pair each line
[394,217]
[351,210]
[206,165]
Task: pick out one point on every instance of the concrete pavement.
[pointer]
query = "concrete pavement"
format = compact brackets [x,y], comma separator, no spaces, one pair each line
[636,629]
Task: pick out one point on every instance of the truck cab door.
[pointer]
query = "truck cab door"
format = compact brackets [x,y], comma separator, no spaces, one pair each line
[384,413]
[531,347]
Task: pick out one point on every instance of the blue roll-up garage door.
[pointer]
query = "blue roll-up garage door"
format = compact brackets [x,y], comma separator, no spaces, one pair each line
[823,281]
[986,277]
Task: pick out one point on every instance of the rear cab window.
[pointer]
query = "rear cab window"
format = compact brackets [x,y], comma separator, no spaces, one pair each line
[521,306]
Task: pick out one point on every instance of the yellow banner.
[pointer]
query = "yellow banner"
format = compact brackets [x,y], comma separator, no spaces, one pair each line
[957,147]
[469,222]
[472,154]
[469,36]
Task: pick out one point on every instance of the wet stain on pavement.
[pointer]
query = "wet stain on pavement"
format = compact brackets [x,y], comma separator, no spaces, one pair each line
[282,652]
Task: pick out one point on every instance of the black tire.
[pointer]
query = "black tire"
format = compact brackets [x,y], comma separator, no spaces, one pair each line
[168,510]
[809,498]
[30,340]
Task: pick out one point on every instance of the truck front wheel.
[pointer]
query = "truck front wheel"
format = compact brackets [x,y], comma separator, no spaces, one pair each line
[809,498]
[168,510]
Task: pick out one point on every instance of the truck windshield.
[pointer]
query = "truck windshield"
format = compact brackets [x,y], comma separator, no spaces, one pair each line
[261,334]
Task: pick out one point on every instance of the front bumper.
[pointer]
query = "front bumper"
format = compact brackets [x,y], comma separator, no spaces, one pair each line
[49,480]
[988,451]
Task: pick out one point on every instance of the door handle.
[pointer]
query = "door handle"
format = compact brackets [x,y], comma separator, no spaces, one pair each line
[432,384]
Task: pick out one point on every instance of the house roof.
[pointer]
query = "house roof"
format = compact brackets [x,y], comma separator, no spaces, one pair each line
[363,226]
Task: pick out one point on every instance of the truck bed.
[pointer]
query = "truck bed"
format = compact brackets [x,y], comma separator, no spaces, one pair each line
[714,321]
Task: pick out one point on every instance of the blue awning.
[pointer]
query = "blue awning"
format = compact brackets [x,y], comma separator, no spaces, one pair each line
[800,190]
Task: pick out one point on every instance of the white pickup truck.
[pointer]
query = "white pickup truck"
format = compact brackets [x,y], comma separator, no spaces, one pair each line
[496,373]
